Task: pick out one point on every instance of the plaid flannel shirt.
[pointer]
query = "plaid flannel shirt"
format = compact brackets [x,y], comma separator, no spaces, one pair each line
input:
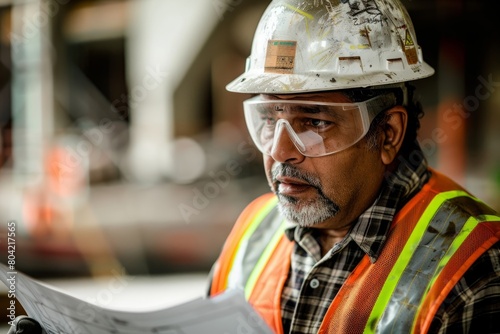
[314,280]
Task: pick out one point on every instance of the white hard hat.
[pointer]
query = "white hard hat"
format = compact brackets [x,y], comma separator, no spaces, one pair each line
[321,45]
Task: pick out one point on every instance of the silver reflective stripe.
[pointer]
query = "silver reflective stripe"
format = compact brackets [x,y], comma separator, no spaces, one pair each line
[424,265]
[250,251]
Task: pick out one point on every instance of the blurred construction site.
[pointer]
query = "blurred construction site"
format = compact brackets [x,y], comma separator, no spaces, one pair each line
[122,150]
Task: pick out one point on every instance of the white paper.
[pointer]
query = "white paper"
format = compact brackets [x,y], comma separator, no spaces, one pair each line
[59,312]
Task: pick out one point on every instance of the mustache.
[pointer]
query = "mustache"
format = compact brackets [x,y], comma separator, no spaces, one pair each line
[286,170]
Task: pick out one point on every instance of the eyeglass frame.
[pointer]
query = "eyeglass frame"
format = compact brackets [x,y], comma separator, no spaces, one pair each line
[368,109]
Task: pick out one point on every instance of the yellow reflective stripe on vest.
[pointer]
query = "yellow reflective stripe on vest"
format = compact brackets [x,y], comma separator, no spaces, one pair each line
[236,272]
[488,218]
[464,233]
[405,257]
[266,255]
[469,226]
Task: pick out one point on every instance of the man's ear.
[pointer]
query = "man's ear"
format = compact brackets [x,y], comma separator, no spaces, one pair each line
[393,133]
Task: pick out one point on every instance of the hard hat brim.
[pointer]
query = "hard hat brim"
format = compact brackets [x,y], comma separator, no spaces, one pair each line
[277,83]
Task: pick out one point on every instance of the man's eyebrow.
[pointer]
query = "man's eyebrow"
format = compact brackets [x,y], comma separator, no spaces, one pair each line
[314,109]
[286,107]
[331,111]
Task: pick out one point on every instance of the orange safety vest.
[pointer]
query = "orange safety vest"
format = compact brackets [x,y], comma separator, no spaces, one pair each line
[432,242]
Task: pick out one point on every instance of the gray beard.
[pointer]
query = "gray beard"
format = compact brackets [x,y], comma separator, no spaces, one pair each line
[304,214]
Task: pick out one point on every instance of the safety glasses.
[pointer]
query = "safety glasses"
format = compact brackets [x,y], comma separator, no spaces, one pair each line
[315,128]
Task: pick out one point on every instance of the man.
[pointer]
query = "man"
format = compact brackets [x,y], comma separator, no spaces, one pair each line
[359,234]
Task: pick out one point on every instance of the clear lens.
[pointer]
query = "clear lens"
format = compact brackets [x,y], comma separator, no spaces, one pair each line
[315,128]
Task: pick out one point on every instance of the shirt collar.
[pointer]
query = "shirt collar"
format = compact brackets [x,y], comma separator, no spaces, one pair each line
[370,230]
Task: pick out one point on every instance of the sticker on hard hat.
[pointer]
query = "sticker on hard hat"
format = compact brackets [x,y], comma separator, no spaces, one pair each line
[410,49]
[280,56]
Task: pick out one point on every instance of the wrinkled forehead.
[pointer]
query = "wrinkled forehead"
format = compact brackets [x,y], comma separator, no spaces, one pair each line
[336,97]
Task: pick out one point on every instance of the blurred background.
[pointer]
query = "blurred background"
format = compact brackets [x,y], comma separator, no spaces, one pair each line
[121,150]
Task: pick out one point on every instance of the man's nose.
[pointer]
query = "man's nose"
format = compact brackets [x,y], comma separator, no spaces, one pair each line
[284,149]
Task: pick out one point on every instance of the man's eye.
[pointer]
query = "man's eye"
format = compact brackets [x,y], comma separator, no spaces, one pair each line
[318,123]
